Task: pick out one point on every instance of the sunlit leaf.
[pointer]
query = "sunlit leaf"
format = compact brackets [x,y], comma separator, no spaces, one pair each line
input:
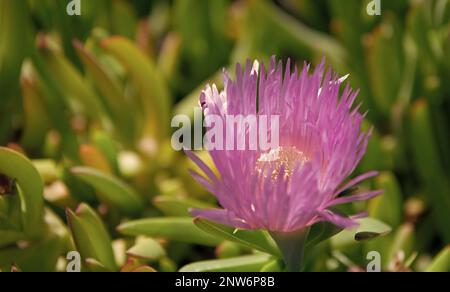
[175,206]
[369,228]
[16,166]
[255,239]
[176,229]
[150,84]
[91,237]
[441,263]
[147,248]
[110,189]
[251,263]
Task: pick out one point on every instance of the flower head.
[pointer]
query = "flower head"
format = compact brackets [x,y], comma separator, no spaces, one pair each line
[295,184]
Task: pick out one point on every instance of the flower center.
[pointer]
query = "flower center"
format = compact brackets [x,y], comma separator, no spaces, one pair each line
[275,159]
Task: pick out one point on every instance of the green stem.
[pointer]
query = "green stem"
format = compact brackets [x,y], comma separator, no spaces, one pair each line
[292,246]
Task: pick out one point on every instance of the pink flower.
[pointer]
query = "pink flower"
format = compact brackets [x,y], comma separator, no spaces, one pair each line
[294,185]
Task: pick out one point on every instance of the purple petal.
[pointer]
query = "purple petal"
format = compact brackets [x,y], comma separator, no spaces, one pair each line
[356,180]
[343,222]
[203,181]
[209,173]
[355,198]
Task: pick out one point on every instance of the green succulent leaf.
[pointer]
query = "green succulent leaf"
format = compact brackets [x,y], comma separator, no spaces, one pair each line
[179,207]
[95,266]
[91,237]
[175,229]
[111,190]
[429,166]
[403,241]
[17,167]
[150,84]
[369,228]
[387,207]
[148,249]
[251,263]
[8,237]
[441,263]
[273,266]
[320,232]
[112,91]
[78,92]
[255,239]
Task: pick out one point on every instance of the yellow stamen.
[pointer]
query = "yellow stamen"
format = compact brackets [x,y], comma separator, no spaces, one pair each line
[275,159]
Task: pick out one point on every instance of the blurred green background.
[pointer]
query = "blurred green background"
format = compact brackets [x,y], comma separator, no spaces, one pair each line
[88,100]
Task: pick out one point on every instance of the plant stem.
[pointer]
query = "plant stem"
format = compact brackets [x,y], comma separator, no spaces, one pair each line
[292,246]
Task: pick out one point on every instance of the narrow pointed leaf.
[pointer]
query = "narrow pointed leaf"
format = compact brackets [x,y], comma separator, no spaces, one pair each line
[148,249]
[175,229]
[91,237]
[255,239]
[110,189]
[441,263]
[149,83]
[77,90]
[369,228]
[251,263]
[175,206]
[16,166]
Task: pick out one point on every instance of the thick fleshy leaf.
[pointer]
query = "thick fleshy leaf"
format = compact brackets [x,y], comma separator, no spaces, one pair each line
[255,239]
[36,121]
[149,83]
[56,105]
[111,190]
[251,263]
[91,237]
[387,207]
[286,32]
[148,249]
[441,263]
[403,241]
[48,169]
[175,229]
[368,228]
[429,166]
[230,249]
[110,89]
[321,231]
[273,266]
[176,206]
[40,256]
[108,146]
[17,167]
[78,92]
[135,266]
[92,157]
[385,64]
[95,266]
[8,237]
[16,40]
